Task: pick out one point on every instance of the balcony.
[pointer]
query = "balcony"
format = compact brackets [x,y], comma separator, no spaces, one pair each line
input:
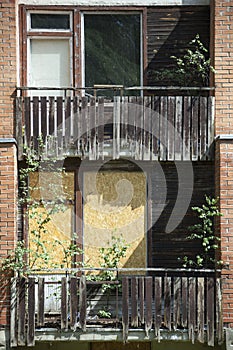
[161,124]
[166,304]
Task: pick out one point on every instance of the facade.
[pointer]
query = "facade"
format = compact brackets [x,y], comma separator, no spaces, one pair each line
[85,88]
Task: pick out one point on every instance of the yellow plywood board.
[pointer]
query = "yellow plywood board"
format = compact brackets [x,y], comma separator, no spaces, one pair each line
[114,204]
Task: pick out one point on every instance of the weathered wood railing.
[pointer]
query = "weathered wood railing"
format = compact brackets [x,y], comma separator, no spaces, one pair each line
[187,301]
[145,128]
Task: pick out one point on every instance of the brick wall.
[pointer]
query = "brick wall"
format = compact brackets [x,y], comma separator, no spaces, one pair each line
[223,47]
[8,165]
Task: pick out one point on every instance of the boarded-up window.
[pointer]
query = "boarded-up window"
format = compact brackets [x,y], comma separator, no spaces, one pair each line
[115,204]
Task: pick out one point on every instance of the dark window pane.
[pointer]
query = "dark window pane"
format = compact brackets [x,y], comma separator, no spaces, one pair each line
[49,21]
[112,49]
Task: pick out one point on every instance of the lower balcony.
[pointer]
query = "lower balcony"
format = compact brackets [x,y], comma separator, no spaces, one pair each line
[166,304]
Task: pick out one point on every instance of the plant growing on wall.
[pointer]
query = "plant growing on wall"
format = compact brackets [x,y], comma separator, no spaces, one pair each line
[193,68]
[203,232]
[23,259]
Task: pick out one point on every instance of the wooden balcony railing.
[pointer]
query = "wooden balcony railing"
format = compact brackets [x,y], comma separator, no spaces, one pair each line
[164,127]
[166,300]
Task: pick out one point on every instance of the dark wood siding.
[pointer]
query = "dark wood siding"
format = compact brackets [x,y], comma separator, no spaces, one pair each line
[169,31]
[167,247]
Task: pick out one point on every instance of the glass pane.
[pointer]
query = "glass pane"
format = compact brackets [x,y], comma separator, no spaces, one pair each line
[48,21]
[112,49]
[50,64]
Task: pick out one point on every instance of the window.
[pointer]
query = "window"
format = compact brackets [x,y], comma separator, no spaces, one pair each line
[81,49]
[112,49]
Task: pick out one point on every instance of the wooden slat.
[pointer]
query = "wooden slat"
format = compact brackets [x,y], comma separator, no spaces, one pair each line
[73,302]
[195,122]
[163,129]
[36,121]
[139,127]
[200,309]
[158,306]
[101,128]
[13,318]
[131,124]
[177,301]
[148,302]
[83,302]
[116,126]
[210,311]
[155,127]
[210,126]
[22,312]
[141,290]
[76,122]
[124,121]
[184,319]
[125,308]
[147,128]
[219,316]
[203,128]
[171,115]
[19,125]
[178,127]
[67,135]
[134,302]
[84,126]
[59,143]
[31,313]
[186,149]
[27,121]
[192,309]
[167,302]
[40,315]
[64,313]
[43,107]
[93,129]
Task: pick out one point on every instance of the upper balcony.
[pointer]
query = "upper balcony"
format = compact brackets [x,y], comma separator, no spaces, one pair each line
[150,123]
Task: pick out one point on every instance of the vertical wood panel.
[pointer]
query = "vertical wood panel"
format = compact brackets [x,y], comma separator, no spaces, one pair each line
[192,309]
[178,127]
[101,127]
[200,309]
[36,121]
[83,302]
[76,122]
[167,302]
[155,126]
[147,128]
[125,308]
[73,302]
[19,124]
[93,129]
[13,320]
[148,297]
[116,126]
[134,302]
[163,129]
[184,319]
[22,312]
[141,289]
[219,316]
[40,315]
[186,128]
[203,127]
[27,120]
[64,314]
[59,124]
[158,306]
[171,128]
[210,311]
[195,123]
[177,301]
[67,134]
[31,313]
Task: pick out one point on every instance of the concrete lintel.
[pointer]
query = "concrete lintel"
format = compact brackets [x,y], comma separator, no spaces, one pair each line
[7,140]
[224,137]
[117,2]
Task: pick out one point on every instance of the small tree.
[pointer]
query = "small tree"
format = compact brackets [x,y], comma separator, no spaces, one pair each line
[203,232]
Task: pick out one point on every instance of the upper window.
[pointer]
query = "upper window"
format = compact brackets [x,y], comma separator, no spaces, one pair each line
[82,49]
[112,49]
